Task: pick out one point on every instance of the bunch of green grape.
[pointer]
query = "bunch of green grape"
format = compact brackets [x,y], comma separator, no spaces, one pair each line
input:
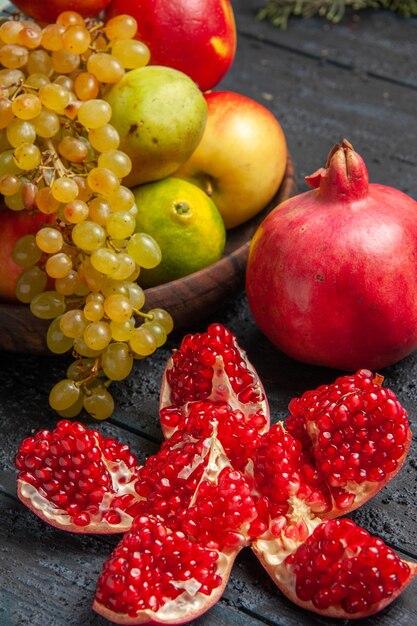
[59,155]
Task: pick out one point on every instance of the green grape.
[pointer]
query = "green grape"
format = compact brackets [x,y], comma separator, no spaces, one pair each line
[131,53]
[47,124]
[162,317]
[57,342]
[20,132]
[121,27]
[80,369]
[9,184]
[126,267]
[104,260]
[113,286]
[118,308]
[102,181]
[73,323]
[97,335]
[93,311]
[136,295]
[74,409]
[27,156]
[95,297]
[143,341]
[122,199]
[26,106]
[158,331]
[64,189]
[99,403]
[7,163]
[144,250]
[122,331]
[69,284]
[64,394]
[121,225]
[58,265]
[116,361]
[99,210]
[88,236]
[76,211]
[93,279]
[83,350]
[15,201]
[49,240]
[30,283]
[25,251]
[6,112]
[94,113]
[116,161]
[54,97]
[47,305]
[104,138]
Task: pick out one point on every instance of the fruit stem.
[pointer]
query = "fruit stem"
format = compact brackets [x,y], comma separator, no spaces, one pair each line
[147,316]
[91,376]
[58,164]
[345,177]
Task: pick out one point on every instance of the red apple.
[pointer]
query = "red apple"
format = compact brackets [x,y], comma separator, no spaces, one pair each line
[13,225]
[197,37]
[48,10]
[241,158]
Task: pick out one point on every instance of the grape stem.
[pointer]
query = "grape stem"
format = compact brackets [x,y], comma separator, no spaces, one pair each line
[59,166]
[91,376]
[147,316]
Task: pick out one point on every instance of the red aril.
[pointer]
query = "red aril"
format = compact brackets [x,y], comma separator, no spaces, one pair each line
[77,480]
[156,575]
[342,443]
[211,367]
[355,433]
[238,432]
[223,481]
[331,273]
[340,571]
[197,37]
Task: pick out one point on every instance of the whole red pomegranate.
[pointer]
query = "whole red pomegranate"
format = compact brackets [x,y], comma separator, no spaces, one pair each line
[331,274]
[197,37]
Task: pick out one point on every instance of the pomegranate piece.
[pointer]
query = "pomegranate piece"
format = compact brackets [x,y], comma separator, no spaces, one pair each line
[238,432]
[156,574]
[341,571]
[283,474]
[77,480]
[355,433]
[211,366]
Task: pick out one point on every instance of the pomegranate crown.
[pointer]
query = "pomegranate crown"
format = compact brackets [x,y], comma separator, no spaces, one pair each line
[345,176]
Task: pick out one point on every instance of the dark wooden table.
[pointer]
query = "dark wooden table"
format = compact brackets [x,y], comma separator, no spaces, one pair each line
[324,82]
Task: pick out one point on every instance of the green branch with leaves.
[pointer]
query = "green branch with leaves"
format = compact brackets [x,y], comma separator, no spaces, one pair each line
[279,11]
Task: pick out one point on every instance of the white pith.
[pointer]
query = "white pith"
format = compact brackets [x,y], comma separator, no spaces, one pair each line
[221,391]
[123,481]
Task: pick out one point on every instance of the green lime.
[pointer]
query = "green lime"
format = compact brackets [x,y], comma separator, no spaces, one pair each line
[186,224]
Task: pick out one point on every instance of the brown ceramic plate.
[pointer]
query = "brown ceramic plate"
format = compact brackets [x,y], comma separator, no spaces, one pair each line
[188,299]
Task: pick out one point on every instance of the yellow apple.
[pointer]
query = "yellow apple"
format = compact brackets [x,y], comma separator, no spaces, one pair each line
[241,158]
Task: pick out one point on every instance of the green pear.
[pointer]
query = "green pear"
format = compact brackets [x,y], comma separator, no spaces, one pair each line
[160,114]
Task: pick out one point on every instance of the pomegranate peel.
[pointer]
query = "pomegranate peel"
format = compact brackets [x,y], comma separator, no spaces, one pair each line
[341,571]
[77,480]
[223,481]
[211,366]
[355,433]
[330,276]
[187,577]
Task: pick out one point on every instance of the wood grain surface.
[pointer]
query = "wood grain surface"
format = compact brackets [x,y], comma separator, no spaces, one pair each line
[323,82]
